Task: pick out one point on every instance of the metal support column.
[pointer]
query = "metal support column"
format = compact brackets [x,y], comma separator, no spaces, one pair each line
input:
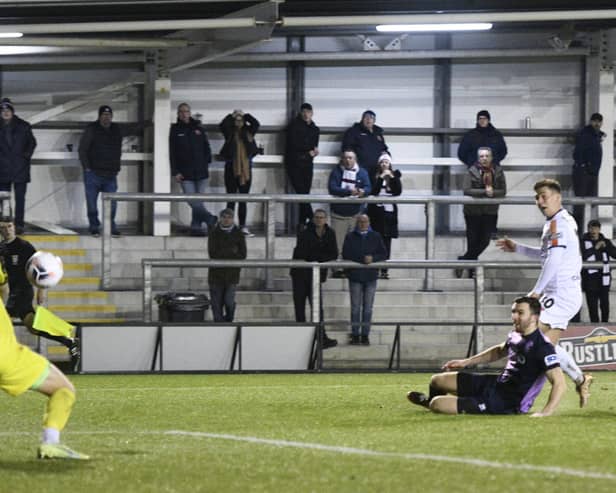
[606,108]
[430,244]
[147,114]
[295,97]
[441,184]
[270,240]
[162,172]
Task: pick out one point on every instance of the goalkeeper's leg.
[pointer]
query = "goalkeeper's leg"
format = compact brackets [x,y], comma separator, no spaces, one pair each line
[61,395]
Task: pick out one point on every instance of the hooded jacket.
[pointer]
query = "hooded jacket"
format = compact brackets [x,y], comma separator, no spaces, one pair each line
[588,152]
[100,149]
[302,138]
[368,146]
[335,188]
[225,245]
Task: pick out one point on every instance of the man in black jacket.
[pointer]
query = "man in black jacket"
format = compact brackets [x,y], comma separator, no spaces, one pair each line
[483,135]
[302,147]
[368,142]
[190,155]
[587,156]
[596,282]
[100,150]
[315,243]
[17,144]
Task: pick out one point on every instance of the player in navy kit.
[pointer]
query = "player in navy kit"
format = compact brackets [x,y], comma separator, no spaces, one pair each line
[531,359]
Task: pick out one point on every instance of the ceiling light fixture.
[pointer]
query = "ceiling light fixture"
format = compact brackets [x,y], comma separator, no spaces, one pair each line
[426,28]
[11,35]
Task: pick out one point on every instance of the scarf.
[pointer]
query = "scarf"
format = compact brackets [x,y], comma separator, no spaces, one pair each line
[241,164]
[349,178]
[487,174]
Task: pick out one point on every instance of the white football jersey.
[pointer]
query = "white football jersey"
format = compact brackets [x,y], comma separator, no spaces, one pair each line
[560,231]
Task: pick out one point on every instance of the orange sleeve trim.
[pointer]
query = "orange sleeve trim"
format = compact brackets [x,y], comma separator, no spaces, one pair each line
[553,231]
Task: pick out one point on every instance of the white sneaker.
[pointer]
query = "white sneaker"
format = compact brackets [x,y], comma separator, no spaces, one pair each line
[246,232]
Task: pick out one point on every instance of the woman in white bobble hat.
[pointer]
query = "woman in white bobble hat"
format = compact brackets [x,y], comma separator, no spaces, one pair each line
[384,217]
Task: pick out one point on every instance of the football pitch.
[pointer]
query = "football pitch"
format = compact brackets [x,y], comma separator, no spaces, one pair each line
[304,433]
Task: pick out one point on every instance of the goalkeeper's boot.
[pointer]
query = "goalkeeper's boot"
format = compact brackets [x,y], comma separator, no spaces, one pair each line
[58,451]
[419,399]
[583,389]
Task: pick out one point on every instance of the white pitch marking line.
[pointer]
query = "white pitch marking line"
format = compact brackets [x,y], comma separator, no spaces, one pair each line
[347,450]
[428,457]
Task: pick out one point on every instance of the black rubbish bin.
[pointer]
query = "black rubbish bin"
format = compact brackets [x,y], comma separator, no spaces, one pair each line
[182,307]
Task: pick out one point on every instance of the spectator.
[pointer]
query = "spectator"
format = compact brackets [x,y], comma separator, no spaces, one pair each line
[17,144]
[100,151]
[596,283]
[239,130]
[587,156]
[364,246]
[315,243]
[368,142]
[302,147]
[347,180]
[190,156]
[384,217]
[482,180]
[225,242]
[483,135]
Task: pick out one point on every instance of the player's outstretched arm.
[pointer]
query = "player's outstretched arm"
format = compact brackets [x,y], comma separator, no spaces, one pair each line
[557,379]
[506,244]
[491,354]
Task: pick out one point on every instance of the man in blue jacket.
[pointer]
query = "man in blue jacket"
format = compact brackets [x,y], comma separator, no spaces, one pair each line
[347,179]
[364,246]
[190,155]
[587,156]
[17,144]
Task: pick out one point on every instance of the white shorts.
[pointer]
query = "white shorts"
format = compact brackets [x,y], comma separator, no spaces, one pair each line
[558,308]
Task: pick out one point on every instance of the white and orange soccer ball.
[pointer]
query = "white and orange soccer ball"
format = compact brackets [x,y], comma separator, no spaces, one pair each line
[44,269]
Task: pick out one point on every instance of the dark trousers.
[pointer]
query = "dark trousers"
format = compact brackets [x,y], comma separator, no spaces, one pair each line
[95,184]
[232,185]
[20,200]
[302,292]
[596,299]
[479,231]
[584,185]
[301,181]
[222,299]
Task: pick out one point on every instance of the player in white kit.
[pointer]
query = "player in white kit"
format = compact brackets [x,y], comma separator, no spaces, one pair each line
[559,286]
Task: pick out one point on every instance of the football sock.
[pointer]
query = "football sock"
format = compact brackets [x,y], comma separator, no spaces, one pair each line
[434,391]
[58,409]
[51,436]
[568,365]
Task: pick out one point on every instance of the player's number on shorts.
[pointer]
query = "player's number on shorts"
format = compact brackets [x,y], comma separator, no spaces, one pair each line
[547,302]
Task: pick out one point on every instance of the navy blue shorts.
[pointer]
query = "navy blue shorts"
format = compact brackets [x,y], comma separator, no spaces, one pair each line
[477,395]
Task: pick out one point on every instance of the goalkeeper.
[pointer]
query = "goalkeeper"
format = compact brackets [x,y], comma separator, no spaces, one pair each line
[14,253]
[22,369]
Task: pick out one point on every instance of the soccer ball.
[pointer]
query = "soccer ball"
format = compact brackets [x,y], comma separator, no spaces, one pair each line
[44,270]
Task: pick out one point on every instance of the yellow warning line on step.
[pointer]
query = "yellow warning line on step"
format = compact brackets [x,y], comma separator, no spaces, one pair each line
[52,238]
[81,280]
[67,252]
[83,308]
[75,294]
[81,267]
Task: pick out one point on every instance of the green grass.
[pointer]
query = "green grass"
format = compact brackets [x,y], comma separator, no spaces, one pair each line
[121,421]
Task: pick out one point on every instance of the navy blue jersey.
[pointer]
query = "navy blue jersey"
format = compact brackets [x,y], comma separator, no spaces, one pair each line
[529,357]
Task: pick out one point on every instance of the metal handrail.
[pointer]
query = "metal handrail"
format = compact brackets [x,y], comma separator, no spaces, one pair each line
[270,201]
[479,279]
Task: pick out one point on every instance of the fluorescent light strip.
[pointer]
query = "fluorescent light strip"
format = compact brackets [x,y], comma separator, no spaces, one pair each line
[11,35]
[423,28]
